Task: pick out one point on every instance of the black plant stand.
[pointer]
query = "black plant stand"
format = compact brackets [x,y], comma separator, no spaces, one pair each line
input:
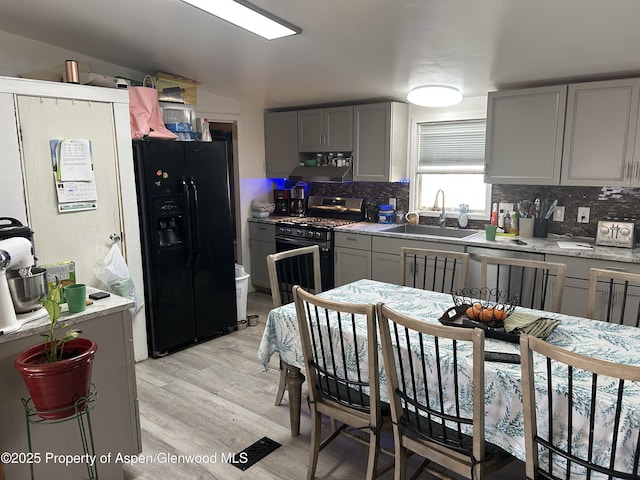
[82,407]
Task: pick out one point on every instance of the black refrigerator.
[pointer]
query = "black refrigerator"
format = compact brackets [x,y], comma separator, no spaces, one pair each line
[187,241]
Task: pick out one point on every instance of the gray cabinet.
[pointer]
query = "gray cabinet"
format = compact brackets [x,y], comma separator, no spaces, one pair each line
[262,242]
[352,257]
[385,256]
[524,136]
[325,130]
[600,130]
[380,142]
[574,300]
[280,143]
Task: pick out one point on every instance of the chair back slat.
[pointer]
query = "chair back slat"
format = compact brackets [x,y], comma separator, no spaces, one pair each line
[537,284]
[339,364]
[424,363]
[588,430]
[436,270]
[300,266]
[614,297]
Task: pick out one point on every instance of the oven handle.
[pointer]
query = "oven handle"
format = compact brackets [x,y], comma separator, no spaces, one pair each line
[295,242]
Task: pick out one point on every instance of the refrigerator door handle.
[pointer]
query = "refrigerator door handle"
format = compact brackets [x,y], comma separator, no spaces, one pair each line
[187,207]
[196,222]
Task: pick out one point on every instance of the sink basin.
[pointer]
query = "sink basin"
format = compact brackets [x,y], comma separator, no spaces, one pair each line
[431,230]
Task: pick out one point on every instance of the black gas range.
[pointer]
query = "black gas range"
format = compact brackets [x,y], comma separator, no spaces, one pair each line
[325,214]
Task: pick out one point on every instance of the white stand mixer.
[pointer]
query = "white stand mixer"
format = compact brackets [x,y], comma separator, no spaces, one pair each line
[15,253]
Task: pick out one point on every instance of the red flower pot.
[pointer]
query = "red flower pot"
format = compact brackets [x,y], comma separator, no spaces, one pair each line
[54,386]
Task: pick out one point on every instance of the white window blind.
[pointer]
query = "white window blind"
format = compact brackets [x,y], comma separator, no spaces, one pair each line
[451,147]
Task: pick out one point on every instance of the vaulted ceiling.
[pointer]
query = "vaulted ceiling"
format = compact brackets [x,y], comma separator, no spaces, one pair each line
[349,49]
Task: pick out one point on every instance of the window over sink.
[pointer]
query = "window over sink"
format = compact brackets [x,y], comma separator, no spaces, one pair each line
[450,156]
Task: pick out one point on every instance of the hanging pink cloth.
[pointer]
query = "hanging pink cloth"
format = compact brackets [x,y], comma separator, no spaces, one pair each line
[145,115]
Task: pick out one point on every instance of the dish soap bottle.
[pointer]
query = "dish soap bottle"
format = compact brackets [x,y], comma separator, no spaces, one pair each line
[494,215]
[463,218]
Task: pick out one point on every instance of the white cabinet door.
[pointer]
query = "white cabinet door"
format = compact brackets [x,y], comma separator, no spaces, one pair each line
[281,143]
[599,133]
[385,267]
[338,129]
[262,242]
[325,130]
[79,236]
[11,190]
[351,265]
[524,135]
[380,142]
[311,130]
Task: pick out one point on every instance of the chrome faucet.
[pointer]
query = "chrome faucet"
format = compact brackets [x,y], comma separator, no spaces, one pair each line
[435,207]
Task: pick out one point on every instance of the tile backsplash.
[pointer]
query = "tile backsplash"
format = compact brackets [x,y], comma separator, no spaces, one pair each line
[604,202]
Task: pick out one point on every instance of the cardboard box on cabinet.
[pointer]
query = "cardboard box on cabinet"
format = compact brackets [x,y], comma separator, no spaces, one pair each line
[172,88]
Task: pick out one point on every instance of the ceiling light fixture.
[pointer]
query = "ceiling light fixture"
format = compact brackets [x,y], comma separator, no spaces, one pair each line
[435,96]
[247,16]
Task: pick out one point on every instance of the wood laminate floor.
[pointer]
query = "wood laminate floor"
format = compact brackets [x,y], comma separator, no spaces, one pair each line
[202,404]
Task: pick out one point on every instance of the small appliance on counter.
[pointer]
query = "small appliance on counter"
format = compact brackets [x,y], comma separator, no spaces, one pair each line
[10,227]
[616,232]
[299,201]
[22,285]
[371,211]
[281,198]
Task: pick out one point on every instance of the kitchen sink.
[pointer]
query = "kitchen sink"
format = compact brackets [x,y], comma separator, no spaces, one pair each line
[431,230]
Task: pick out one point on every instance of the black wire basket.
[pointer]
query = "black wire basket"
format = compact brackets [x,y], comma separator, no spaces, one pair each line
[488,307]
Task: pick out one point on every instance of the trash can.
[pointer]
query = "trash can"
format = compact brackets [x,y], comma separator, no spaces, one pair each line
[242,289]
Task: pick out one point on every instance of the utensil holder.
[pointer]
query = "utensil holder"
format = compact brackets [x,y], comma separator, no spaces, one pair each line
[526,227]
[541,228]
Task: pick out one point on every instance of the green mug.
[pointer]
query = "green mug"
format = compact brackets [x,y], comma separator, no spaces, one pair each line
[76,295]
[490,232]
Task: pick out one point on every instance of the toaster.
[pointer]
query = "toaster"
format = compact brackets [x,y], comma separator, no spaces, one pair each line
[614,232]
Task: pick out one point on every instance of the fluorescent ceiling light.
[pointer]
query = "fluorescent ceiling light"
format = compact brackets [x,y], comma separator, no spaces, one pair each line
[247,16]
[434,96]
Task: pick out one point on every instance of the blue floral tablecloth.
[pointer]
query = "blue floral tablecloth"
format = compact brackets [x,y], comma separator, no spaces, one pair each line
[504,422]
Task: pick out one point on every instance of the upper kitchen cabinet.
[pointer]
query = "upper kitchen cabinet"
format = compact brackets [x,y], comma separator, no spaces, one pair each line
[325,130]
[600,131]
[281,143]
[380,142]
[524,135]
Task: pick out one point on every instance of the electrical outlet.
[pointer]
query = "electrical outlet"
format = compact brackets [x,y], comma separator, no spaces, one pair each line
[558,214]
[583,214]
[506,207]
[392,202]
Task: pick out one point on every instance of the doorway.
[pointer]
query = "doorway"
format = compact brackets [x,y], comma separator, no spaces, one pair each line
[228,132]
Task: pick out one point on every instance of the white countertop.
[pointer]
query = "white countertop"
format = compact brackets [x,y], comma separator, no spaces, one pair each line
[99,308]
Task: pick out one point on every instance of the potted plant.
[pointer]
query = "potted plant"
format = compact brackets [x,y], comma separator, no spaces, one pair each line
[57,373]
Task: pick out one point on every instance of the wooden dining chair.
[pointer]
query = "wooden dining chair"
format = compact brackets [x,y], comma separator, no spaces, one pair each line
[300,266]
[537,284]
[620,300]
[587,407]
[436,270]
[424,365]
[343,382]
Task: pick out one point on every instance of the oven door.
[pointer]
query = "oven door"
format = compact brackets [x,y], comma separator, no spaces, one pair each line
[326,256]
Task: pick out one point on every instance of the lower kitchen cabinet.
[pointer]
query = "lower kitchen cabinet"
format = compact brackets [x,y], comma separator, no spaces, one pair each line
[352,257]
[262,242]
[576,288]
[385,267]
[386,256]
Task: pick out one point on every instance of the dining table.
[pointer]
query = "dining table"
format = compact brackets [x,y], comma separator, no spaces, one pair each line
[504,415]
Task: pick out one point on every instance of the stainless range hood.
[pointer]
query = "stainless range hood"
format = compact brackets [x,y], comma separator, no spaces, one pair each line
[321,174]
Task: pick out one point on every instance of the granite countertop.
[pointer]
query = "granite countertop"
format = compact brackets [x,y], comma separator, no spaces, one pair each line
[99,308]
[535,245]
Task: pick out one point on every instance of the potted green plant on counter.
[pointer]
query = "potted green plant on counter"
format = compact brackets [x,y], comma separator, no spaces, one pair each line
[57,372]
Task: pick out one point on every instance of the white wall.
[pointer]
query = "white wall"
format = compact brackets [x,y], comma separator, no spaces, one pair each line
[22,55]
